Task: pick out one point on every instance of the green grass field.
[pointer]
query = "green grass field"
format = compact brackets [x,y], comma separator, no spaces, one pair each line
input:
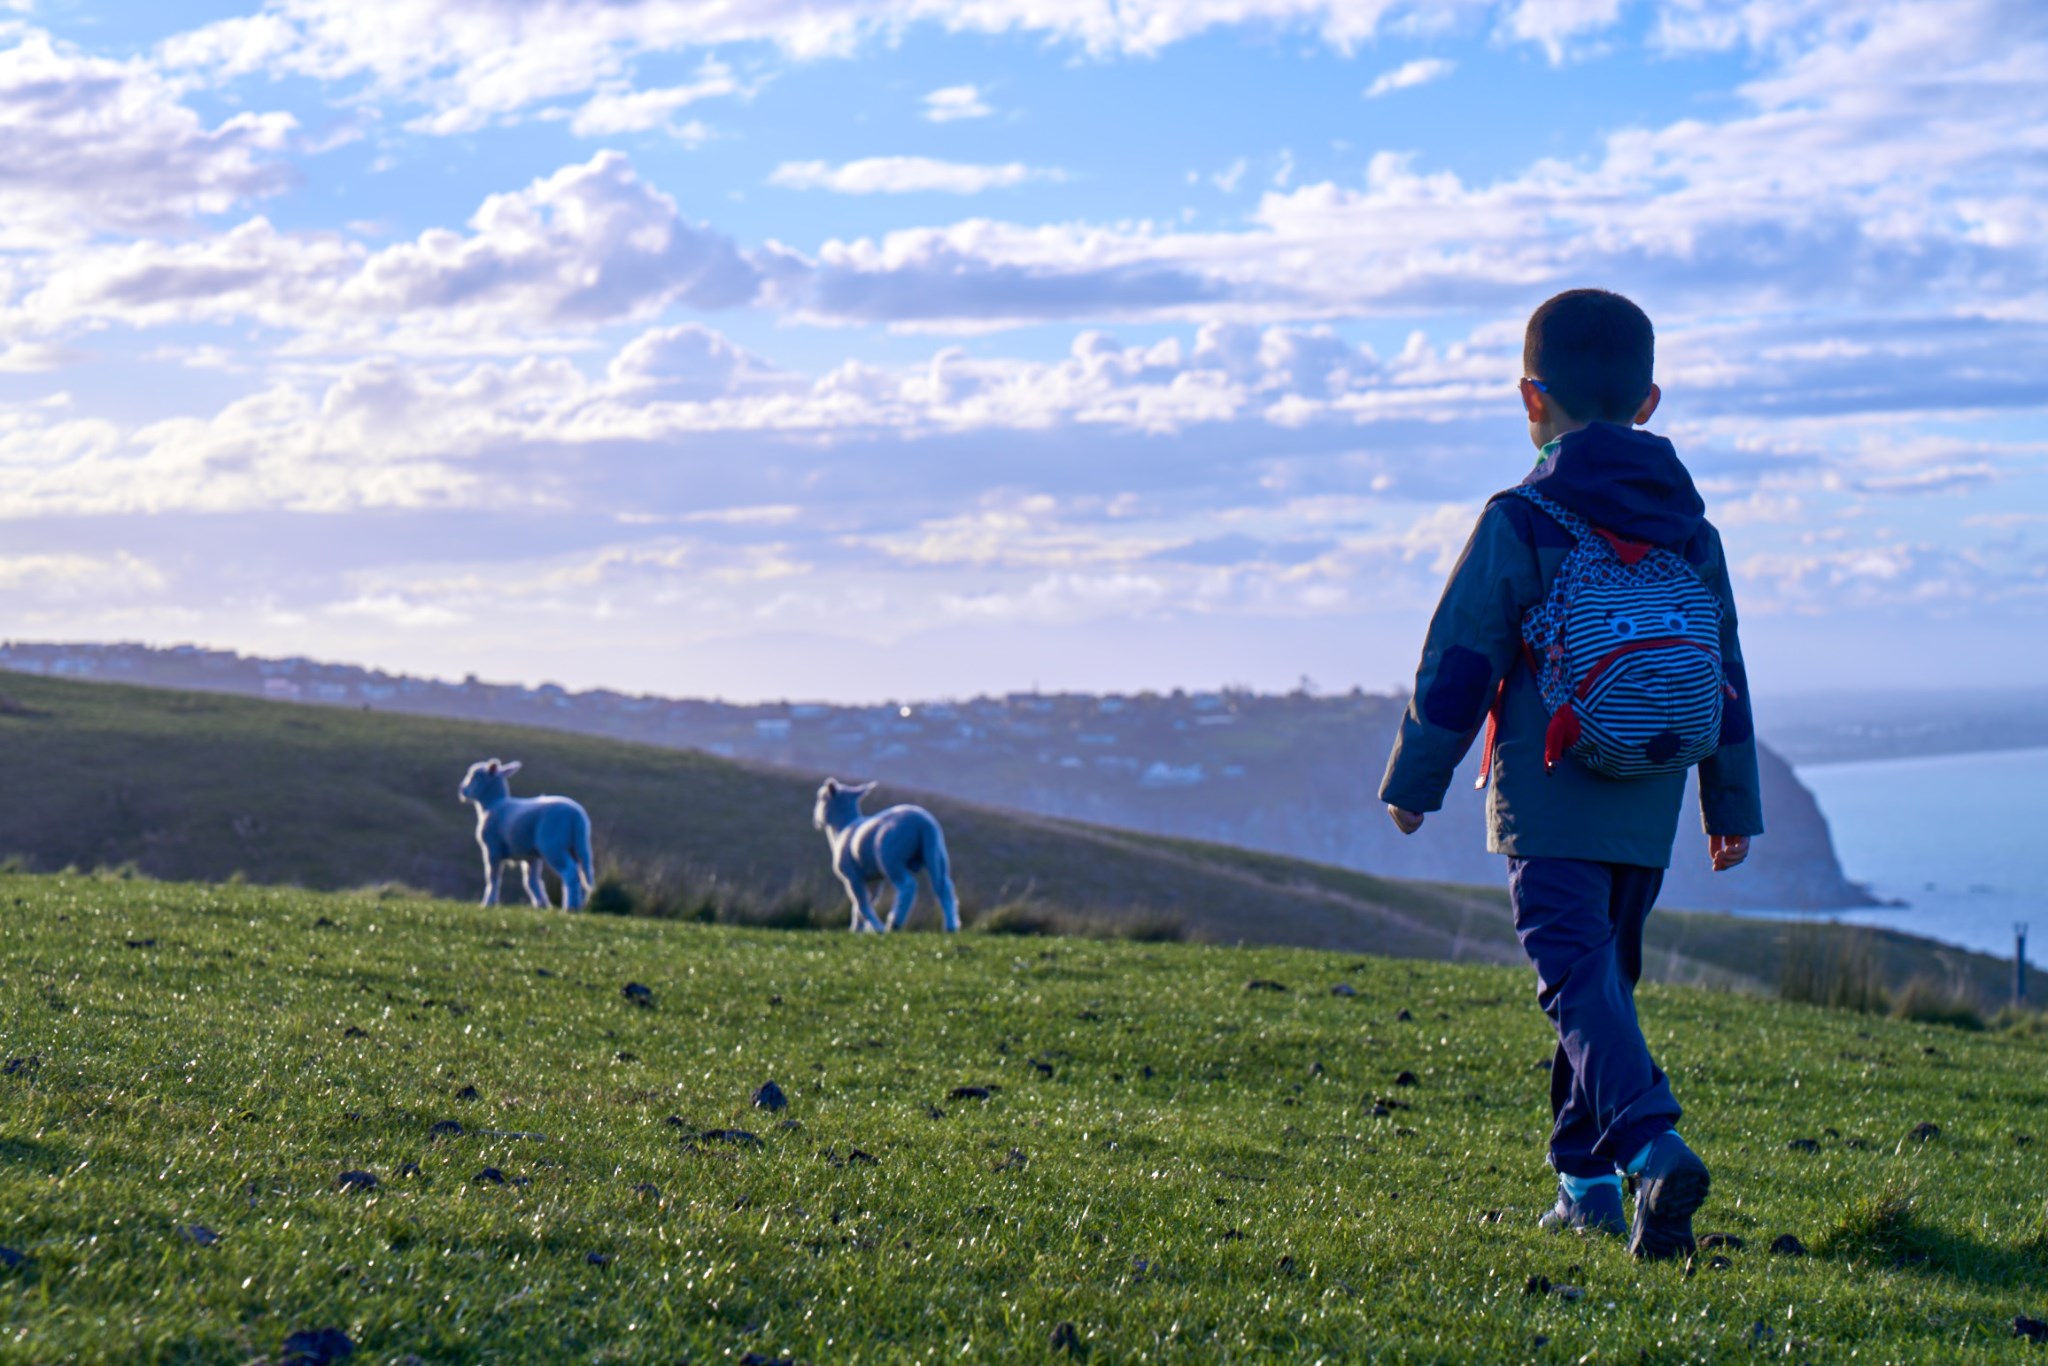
[202,786]
[1179,1166]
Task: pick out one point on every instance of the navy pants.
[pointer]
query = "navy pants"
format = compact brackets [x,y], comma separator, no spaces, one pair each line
[1581,924]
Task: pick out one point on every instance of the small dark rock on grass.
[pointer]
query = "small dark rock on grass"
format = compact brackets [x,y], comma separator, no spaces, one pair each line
[1066,1339]
[29,1066]
[1343,989]
[598,1258]
[969,1093]
[489,1176]
[1728,1240]
[1924,1131]
[2033,1330]
[1802,1145]
[10,1259]
[445,1128]
[637,994]
[356,1181]
[466,1093]
[316,1347]
[1406,1079]
[770,1097]
[763,1359]
[1787,1245]
[1404,1015]
[739,1136]
[198,1233]
[1264,984]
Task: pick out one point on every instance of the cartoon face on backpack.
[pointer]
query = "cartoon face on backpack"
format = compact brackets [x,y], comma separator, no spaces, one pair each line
[1627,650]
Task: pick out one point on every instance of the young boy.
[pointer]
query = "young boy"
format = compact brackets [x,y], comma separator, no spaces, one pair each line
[1587,852]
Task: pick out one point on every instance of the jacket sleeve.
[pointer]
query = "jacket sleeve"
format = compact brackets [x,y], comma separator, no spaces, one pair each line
[1474,639]
[1731,797]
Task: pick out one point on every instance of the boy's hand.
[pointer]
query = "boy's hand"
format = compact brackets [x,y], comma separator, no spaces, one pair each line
[1408,821]
[1727,850]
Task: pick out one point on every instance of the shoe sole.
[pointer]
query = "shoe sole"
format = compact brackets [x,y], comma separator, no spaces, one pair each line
[1664,1210]
[1551,1222]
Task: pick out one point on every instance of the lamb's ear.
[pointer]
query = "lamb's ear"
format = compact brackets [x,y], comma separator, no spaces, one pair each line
[509,769]
[831,784]
[491,767]
[865,788]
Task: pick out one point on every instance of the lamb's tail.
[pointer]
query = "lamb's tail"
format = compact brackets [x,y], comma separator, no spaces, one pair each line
[585,866]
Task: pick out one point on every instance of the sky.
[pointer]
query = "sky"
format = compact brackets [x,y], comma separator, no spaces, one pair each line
[856,350]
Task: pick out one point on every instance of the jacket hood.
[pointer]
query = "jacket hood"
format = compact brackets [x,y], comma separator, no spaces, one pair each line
[1622,480]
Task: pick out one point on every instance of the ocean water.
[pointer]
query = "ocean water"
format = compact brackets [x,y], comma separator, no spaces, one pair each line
[1959,838]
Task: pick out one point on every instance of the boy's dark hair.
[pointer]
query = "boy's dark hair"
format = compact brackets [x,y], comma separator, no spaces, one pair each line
[1594,351]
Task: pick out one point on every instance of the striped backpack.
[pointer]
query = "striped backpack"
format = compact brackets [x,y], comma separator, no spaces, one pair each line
[1626,649]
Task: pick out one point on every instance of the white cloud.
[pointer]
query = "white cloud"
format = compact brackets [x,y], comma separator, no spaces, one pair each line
[42,580]
[1860,172]
[1552,23]
[590,245]
[620,108]
[90,145]
[472,62]
[903,175]
[1408,75]
[955,102]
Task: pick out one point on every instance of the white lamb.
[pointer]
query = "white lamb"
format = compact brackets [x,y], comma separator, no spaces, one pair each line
[528,831]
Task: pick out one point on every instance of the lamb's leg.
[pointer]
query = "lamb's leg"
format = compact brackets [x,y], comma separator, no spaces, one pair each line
[537,883]
[949,900]
[571,874]
[863,908]
[493,870]
[905,902]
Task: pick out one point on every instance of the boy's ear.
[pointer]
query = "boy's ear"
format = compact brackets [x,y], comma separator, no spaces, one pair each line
[1649,407]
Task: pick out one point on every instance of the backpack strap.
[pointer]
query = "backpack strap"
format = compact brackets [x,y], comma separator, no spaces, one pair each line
[1579,531]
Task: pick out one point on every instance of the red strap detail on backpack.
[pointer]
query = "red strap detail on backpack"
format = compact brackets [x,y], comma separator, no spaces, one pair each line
[1629,552]
[1560,735]
[1500,698]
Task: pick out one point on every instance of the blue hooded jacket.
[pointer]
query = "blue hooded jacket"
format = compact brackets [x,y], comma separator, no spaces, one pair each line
[1633,484]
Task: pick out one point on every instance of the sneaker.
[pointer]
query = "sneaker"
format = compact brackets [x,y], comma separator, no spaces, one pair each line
[1670,1185]
[1597,1211]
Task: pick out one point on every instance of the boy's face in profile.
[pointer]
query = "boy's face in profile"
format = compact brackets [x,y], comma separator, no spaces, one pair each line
[1548,421]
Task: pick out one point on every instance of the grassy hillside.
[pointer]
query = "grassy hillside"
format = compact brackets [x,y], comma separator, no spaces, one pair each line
[1170,1164]
[196,786]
